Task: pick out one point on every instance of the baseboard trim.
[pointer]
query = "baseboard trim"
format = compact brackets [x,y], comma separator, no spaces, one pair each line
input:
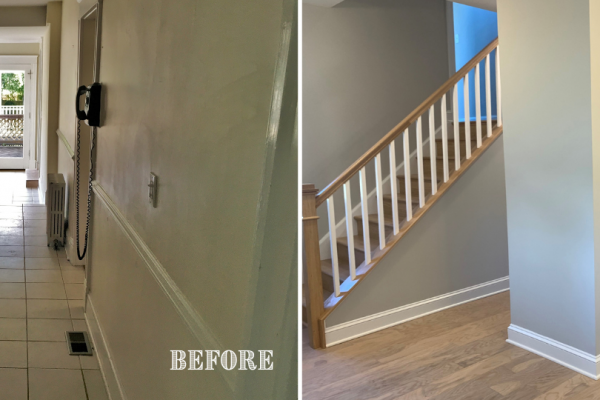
[565,355]
[109,372]
[186,311]
[363,326]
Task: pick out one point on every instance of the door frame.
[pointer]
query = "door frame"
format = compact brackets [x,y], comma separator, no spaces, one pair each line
[27,64]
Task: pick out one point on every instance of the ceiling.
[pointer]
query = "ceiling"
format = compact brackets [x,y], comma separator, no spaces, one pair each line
[6,3]
[485,4]
[324,3]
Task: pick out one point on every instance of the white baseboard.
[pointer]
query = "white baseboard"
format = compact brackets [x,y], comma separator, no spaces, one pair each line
[109,373]
[565,355]
[363,326]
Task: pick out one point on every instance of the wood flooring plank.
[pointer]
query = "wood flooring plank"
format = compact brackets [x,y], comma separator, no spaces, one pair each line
[459,353]
[567,389]
[344,370]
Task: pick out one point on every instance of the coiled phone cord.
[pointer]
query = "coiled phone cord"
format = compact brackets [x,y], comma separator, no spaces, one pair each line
[89,199]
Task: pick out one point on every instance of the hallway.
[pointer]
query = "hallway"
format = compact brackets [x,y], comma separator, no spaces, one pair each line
[41,297]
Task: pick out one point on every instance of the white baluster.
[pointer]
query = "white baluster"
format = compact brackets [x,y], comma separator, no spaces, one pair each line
[364,197]
[456,130]
[488,95]
[421,174]
[445,139]
[432,150]
[467,117]
[498,90]
[379,187]
[407,180]
[394,187]
[350,230]
[333,242]
[478,103]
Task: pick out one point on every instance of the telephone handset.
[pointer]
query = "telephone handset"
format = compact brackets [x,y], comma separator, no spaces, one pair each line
[91,112]
[91,115]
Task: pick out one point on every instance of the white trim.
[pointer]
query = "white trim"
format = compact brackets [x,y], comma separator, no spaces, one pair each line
[41,194]
[565,355]
[66,143]
[363,326]
[107,367]
[28,64]
[192,319]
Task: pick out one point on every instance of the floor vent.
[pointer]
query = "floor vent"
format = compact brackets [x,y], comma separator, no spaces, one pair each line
[79,344]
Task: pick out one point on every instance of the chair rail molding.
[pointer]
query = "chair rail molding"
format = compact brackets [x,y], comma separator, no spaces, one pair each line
[66,143]
[194,321]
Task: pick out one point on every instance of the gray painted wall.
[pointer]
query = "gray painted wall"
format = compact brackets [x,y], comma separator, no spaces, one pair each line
[367,64]
[548,155]
[460,242]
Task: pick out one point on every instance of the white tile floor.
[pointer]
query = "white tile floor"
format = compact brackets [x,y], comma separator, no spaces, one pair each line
[41,297]
[13,190]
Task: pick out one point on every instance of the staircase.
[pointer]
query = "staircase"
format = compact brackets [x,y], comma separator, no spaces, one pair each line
[378,221]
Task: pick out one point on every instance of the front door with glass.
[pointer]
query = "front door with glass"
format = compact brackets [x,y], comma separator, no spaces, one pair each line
[16,82]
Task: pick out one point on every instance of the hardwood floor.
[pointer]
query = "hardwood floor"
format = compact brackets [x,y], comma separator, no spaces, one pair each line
[460,353]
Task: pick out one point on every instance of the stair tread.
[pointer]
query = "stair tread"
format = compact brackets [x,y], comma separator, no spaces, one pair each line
[344,269]
[401,197]
[359,243]
[450,157]
[416,177]
[451,139]
[374,218]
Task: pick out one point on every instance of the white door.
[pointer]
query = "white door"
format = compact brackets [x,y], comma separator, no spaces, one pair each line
[17,122]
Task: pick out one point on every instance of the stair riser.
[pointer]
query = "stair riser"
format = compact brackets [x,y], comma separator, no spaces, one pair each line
[327,281]
[359,255]
[463,148]
[439,166]
[374,231]
[387,208]
[414,187]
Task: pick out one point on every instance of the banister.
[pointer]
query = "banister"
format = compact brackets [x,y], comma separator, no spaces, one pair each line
[330,189]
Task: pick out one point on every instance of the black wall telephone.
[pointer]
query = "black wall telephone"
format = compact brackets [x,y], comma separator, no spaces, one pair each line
[91,115]
[91,112]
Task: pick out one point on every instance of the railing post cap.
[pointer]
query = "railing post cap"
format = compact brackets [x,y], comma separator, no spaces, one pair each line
[309,188]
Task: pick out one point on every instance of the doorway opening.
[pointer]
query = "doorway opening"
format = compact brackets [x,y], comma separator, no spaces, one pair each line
[18,78]
[474,28]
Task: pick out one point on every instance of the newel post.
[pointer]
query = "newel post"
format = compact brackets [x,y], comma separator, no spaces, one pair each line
[312,259]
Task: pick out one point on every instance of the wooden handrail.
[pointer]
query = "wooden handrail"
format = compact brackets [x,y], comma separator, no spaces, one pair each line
[330,189]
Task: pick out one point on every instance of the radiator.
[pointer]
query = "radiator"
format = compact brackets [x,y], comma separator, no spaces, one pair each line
[55,210]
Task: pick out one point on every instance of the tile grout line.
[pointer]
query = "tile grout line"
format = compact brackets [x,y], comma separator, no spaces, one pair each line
[36,277]
[72,325]
[26,310]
